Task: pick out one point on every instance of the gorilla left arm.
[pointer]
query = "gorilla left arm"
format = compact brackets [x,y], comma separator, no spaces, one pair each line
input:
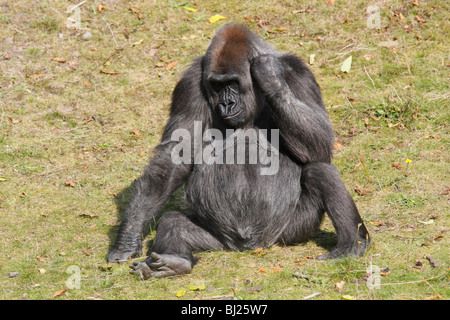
[296,103]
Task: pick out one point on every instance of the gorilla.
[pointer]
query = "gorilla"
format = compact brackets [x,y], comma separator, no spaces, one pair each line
[241,85]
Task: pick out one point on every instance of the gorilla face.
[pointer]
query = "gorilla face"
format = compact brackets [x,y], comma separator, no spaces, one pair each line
[226,94]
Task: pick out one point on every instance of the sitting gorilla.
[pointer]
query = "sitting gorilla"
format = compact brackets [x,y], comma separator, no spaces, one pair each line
[242,84]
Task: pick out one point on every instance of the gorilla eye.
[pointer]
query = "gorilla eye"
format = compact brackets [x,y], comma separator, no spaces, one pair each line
[219,81]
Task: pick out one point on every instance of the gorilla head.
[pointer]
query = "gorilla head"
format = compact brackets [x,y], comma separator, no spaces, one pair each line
[227,77]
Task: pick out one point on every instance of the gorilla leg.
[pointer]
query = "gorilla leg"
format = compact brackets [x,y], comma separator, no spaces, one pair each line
[328,194]
[305,221]
[177,237]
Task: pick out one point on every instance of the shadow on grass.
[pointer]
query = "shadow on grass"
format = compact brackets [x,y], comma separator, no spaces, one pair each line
[325,239]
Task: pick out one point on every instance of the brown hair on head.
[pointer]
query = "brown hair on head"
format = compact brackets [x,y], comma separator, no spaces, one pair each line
[232,49]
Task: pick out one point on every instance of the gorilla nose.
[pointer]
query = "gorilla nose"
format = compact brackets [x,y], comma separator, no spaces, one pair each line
[227,108]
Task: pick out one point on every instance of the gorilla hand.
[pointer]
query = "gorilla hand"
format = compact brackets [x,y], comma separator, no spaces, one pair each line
[268,73]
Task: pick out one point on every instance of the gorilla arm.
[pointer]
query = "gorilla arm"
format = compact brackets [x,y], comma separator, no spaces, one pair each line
[297,107]
[162,176]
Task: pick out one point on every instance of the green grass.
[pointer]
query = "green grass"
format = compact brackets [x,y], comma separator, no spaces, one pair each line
[69,151]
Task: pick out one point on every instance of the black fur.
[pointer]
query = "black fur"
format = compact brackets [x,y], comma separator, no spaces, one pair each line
[233,205]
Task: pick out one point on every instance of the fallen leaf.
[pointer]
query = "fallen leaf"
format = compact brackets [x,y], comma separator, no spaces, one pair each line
[416,3]
[216,18]
[362,192]
[398,15]
[104,267]
[6,56]
[368,56]
[330,1]
[59,292]
[181,293]
[171,65]
[385,272]
[261,270]
[393,125]
[312,58]
[337,145]
[397,165]
[340,286]
[276,30]
[434,136]
[346,65]
[58,60]
[277,268]
[300,11]
[87,215]
[137,43]
[41,259]
[101,7]
[70,183]
[347,297]
[420,19]
[35,76]
[434,297]
[42,270]
[87,84]
[356,166]
[258,250]
[108,72]
[189,9]
[136,132]
[140,15]
[199,287]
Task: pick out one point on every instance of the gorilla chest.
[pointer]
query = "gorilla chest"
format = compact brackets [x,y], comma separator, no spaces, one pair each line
[244,205]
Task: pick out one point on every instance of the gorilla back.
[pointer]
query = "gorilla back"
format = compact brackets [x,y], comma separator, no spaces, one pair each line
[241,84]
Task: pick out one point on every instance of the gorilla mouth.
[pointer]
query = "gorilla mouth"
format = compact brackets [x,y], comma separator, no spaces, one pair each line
[233,115]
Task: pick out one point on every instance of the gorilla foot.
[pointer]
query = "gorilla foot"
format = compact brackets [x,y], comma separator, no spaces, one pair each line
[161,266]
[355,250]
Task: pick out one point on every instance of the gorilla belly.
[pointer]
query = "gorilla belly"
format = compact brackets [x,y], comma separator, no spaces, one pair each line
[242,208]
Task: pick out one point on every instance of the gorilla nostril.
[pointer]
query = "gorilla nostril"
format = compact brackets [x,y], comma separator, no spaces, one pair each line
[230,105]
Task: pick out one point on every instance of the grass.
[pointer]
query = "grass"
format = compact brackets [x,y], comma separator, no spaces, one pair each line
[73,139]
